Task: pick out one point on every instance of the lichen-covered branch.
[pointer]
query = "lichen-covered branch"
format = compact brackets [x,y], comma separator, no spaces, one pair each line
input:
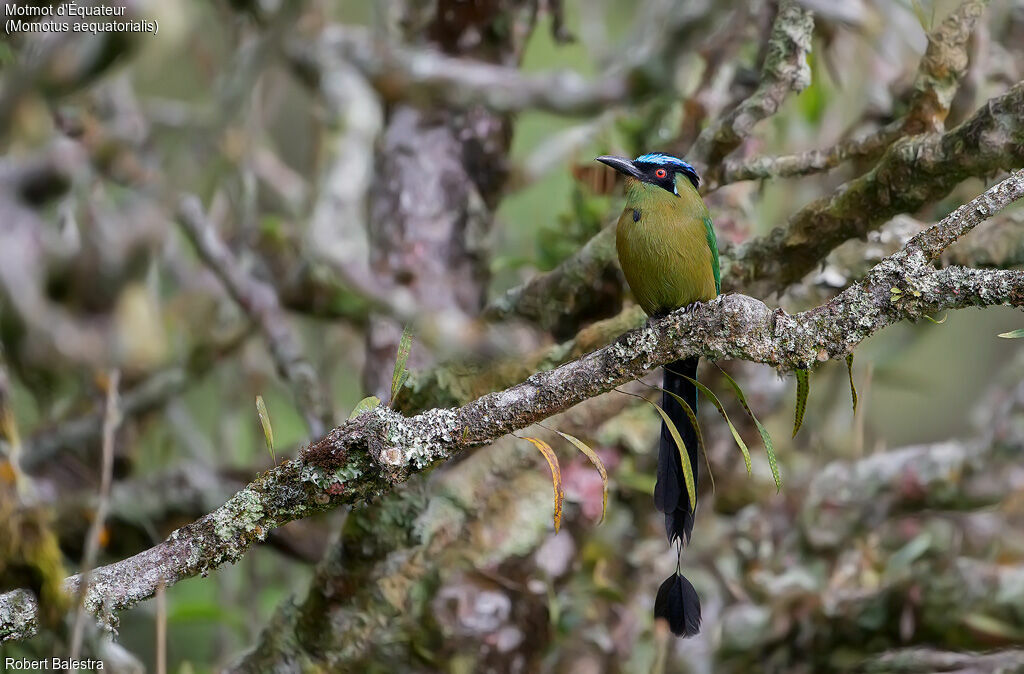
[785,69]
[376,451]
[913,172]
[938,77]
[261,304]
[942,66]
[811,161]
[569,293]
[363,608]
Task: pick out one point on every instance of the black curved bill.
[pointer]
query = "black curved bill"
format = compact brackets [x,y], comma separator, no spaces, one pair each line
[620,164]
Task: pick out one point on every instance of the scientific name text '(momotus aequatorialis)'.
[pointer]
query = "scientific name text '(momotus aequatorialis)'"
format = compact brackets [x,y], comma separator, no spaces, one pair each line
[669,254]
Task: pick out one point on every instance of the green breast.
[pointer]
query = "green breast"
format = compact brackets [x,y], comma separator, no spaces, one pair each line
[666,247]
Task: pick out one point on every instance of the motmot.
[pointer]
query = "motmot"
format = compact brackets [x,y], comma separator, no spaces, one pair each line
[669,254]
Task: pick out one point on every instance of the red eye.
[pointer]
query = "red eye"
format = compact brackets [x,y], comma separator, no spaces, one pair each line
[660,173]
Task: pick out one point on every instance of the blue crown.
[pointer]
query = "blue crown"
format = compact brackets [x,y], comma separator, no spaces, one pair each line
[669,160]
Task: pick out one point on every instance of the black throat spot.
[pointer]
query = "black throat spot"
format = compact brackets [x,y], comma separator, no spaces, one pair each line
[636,215]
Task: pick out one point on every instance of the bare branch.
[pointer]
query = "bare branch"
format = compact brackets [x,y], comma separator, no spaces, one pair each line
[261,303]
[785,69]
[571,290]
[913,172]
[403,74]
[111,422]
[812,161]
[938,77]
[921,660]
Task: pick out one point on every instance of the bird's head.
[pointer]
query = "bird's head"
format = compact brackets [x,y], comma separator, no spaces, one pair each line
[655,168]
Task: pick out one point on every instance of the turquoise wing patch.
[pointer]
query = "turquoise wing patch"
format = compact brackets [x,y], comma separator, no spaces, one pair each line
[709,231]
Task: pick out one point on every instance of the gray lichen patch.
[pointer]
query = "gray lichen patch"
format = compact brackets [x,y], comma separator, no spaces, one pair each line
[424,438]
[18,615]
[640,344]
[243,513]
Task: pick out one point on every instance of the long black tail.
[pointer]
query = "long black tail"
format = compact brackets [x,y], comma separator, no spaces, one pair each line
[677,601]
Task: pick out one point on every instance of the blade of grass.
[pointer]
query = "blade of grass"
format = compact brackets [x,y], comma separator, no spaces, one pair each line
[680,446]
[400,374]
[721,410]
[696,428]
[765,437]
[268,430]
[803,387]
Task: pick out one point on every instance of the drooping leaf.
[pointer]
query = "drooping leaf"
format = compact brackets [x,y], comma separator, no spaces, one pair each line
[596,460]
[9,425]
[937,322]
[993,627]
[400,374]
[366,404]
[556,476]
[692,416]
[721,410]
[803,387]
[680,447]
[765,437]
[268,430]
[853,389]
[1013,334]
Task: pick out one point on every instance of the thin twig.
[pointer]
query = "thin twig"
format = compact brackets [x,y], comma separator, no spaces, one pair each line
[260,302]
[111,421]
[161,628]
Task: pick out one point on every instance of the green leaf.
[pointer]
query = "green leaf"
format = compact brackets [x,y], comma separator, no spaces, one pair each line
[696,428]
[765,437]
[556,476]
[937,322]
[268,430]
[400,374]
[853,389]
[993,627]
[680,446]
[922,15]
[365,405]
[1013,334]
[596,460]
[721,410]
[803,387]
